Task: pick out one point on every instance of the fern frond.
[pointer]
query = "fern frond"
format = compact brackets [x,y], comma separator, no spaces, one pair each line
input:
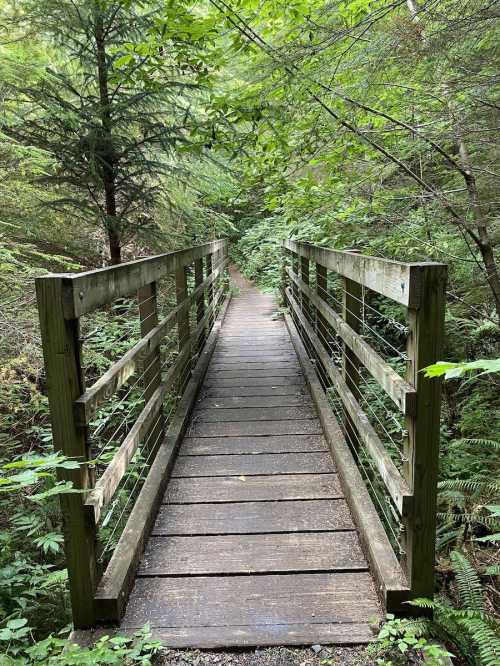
[469,486]
[477,441]
[469,586]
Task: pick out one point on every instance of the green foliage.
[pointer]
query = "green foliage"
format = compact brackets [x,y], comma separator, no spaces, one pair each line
[473,631]
[136,650]
[455,370]
[403,641]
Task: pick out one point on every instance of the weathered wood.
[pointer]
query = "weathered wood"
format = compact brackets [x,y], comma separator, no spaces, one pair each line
[395,483]
[200,299]
[83,292]
[106,486]
[352,294]
[397,280]
[352,633]
[148,313]
[249,553]
[248,600]
[114,588]
[401,392]
[216,382]
[237,402]
[265,356]
[298,427]
[287,371]
[266,413]
[252,465]
[87,404]
[194,446]
[253,518]
[61,351]
[253,488]
[391,581]
[267,365]
[425,344]
[181,294]
[255,390]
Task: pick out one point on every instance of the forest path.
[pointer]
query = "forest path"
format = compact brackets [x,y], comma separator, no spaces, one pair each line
[254,543]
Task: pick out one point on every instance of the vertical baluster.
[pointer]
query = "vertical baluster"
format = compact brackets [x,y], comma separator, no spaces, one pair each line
[148,314]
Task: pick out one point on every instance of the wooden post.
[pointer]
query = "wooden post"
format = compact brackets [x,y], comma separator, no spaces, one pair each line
[200,300]
[148,314]
[424,347]
[210,292]
[304,274]
[351,313]
[322,328]
[61,352]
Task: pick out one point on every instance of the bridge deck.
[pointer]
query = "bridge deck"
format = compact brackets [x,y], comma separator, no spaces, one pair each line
[254,543]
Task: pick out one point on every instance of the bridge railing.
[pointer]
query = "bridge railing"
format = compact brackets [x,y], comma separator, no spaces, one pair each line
[151,388]
[369,326]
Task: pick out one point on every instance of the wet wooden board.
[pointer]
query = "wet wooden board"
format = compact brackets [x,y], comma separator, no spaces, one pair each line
[195,446]
[252,553]
[237,382]
[251,465]
[263,358]
[266,366]
[253,518]
[218,414]
[253,488]
[221,375]
[240,428]
[267,402]
[353,633]
[236,428]
[256,390]
[245,600]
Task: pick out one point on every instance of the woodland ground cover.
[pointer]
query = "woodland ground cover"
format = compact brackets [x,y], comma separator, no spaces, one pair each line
[130,128]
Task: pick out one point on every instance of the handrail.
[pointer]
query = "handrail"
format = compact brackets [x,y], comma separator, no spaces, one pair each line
[420,287]
[62,300]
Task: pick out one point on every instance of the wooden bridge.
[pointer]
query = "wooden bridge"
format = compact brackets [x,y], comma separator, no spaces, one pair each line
[254,522]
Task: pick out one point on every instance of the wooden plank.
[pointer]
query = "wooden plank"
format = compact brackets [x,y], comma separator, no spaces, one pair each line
[397,280]
[257,389]
[194,446]
[248,600]
[253,518]
[114,587]
[401,392]
[425,346]
[65,382]
[396,485]
[266,356]
[252,465]
[253,488]
[256,337]
[269,365]
[245,636]
[250,553]
[222,382]
[237,402]
[83,292]
[287,371]
[218,415]
[241,428]
[390,578]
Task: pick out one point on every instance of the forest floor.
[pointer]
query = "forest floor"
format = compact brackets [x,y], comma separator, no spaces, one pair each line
[316,655]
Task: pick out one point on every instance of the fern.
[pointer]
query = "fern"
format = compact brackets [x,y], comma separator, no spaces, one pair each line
[469,585]
[472,630]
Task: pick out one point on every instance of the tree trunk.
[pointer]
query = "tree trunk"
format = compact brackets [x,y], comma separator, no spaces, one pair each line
[105,151]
